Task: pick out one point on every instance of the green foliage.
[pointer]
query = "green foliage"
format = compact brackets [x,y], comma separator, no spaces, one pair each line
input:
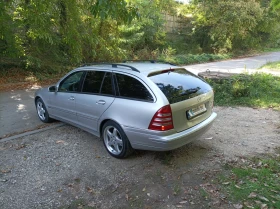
[275,4]
[8,39]
[255,182]
[146,33]
[223,26]
[50,34]
[114,9]
[256,90]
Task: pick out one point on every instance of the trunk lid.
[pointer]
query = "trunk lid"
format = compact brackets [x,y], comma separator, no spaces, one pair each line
[190,97]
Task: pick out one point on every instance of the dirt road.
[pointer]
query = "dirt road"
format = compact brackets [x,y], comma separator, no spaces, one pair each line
[69,167]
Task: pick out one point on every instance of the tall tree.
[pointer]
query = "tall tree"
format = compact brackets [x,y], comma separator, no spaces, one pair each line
[231,24]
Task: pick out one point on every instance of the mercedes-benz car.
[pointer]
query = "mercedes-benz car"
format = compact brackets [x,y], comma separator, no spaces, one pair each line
[133,105]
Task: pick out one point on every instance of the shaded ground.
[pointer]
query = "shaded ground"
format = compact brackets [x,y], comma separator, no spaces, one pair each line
[69,167]
[17,112]
[17,79]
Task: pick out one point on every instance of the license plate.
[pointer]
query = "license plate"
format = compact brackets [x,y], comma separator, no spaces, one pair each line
[196,111]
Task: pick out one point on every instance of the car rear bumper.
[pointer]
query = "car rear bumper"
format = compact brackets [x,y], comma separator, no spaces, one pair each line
[149,140]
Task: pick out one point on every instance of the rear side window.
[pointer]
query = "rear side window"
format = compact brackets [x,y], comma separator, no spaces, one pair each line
[132,88]
[93,82]
[107,87]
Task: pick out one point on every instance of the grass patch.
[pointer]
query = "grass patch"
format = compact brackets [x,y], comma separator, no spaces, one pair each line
[255,90]
[270,50]
[274,66]
[255,183]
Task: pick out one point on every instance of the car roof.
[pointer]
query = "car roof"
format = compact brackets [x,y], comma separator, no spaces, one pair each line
[142,67]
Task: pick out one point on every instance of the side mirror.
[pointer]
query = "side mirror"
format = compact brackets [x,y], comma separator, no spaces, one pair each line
[52,89]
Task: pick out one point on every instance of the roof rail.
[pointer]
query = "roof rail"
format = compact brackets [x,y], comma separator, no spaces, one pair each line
[123,65]
[113,65]
[151,61]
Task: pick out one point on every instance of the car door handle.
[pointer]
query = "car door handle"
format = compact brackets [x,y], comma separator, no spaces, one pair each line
[101,102]
[71,98]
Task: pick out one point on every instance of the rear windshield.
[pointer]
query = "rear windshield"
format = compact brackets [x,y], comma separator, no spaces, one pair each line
[179,84]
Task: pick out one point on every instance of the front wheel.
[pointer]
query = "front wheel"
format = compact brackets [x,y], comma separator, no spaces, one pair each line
[42,111]
[115,140]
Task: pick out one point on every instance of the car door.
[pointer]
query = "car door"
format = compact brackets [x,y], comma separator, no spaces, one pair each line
[62,103]
[97,95]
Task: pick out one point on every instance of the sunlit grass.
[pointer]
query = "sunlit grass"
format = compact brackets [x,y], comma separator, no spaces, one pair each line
[256,90]
[274,66]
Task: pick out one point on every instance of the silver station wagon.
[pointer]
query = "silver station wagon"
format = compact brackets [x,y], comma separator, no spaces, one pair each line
[132,105]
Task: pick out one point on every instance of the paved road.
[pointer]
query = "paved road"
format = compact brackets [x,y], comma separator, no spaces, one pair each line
[250,64]
[17,110]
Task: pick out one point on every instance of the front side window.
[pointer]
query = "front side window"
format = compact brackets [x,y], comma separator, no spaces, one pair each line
[130,87]
[72,83]
[93,82]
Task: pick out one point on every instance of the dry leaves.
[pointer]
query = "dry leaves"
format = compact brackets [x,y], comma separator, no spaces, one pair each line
[263,198]
[126,197]
[238,206]
[89,190]
[6,171]
[252,195]
[60,142]
[20,146]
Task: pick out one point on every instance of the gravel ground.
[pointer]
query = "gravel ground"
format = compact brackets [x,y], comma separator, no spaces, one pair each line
[69,168]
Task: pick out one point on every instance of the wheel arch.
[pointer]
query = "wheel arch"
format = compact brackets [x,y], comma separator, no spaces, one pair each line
[101,126]
[103,123]
[36,98]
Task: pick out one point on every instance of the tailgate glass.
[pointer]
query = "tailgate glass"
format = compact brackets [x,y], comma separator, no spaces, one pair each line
[179,84]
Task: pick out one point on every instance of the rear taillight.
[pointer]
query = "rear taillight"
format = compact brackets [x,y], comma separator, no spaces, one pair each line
[162,120]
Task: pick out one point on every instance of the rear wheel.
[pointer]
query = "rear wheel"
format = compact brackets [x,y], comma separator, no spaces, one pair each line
[115,140]
[42,111]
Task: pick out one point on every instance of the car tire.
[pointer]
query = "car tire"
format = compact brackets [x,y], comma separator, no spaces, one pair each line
[115,140]
[42,111]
